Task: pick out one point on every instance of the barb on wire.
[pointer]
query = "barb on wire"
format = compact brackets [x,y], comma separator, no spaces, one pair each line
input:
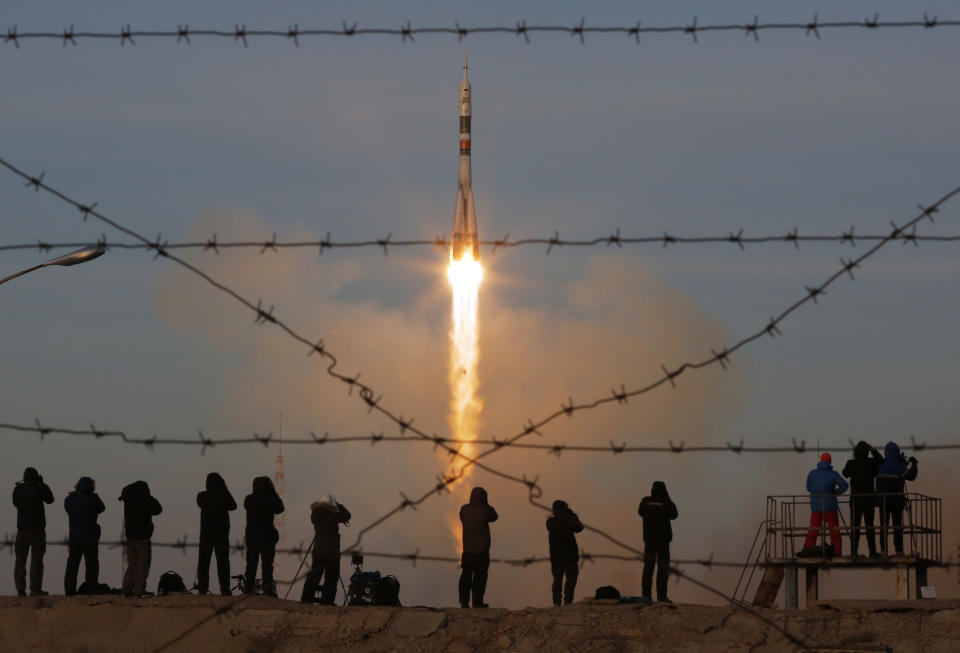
[372,439]
[407,31]
[274,245]
[722,357]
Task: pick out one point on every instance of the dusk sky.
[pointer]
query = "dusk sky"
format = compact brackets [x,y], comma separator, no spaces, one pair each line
[357,138]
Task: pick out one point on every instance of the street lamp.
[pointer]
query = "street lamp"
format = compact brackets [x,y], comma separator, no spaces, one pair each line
[80,256]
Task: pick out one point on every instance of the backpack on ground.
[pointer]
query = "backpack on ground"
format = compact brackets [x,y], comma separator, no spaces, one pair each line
[387,591]
[171,583]
[606,592]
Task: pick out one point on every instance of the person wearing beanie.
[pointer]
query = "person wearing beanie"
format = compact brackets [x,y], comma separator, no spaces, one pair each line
[862,472]
[657,511]
[562,528]
[83,505]
[891,484]
[29,495]
[823,484]
[326,515]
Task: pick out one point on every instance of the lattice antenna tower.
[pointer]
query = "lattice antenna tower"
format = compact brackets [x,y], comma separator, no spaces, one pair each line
[280,485]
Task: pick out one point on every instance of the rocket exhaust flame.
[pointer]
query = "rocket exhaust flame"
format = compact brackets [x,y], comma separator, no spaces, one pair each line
[465,274]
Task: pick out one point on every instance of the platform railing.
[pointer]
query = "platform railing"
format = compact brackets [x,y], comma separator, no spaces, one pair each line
[921,517]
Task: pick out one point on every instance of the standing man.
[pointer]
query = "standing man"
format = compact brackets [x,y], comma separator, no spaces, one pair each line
[215,503]
[862,472]
[657,511]
[261,535]
[891,482]
[83,505]
[29,495]
[564,552]
[475,518]
[139,508]
[823,484]
[326,515]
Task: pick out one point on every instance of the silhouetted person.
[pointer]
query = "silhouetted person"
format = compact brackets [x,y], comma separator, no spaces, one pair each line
[891,480]
[261,535]
[326,515]
[823,484]
[215,503]
[83,506]
[139,508]
[564,552]
[29,495]
[475,562]
[862,472]
[657,511]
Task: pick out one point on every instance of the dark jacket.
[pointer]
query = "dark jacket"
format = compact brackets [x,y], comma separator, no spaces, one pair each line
[139,507]
[215,503]
[862,469]
[29,495]
[261,506]
[824,480]
[326,526]
[476,517]
[82,506]
[561,530]
[657,510]
[895,470]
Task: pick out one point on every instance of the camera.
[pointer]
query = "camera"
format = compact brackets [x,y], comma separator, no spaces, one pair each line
[356,559]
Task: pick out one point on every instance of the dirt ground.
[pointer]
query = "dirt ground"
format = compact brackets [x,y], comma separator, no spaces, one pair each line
[111,624]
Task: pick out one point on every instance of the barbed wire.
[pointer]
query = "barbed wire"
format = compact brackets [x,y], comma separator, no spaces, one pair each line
[736,238]
[201,440]
[293,33]
[721,358]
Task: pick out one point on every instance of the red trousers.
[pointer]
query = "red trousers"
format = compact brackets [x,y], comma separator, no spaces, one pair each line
[816,519]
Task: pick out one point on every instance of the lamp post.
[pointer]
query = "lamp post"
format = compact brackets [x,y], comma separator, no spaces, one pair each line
[73,258]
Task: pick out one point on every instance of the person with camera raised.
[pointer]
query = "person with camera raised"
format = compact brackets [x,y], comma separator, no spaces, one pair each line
[562,528]
[215,503]
[891,486]
[326,514]
[475,517]
[29,495]
[261,535]
[83,506]
[139,509]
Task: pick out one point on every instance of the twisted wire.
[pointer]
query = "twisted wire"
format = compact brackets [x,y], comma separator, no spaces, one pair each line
[408,32]
[273,245]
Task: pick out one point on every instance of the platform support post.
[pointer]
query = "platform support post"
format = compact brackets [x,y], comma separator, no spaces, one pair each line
[791,598]
[903,582]
[921,579]
[813,584]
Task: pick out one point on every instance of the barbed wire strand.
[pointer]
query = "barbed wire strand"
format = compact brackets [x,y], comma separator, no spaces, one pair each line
[408,32]
[737,239]
[795,446]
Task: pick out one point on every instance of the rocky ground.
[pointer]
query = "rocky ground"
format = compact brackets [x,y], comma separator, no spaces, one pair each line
[112,624]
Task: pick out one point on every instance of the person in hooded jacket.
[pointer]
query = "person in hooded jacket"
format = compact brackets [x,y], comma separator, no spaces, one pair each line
[261,535]
[862,472]
[29,495]
[657,511]
[215,503]
[139,508]
[562,528]
[823,484]
[891,485]
[82,506]
[475,517]
[326,515]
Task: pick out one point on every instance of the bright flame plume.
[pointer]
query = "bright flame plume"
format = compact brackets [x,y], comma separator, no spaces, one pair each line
[465,404]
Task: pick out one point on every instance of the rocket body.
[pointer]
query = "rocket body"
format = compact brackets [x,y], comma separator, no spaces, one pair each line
[465,241]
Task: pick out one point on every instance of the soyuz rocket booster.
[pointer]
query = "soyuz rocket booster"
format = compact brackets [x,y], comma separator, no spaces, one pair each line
[465,241]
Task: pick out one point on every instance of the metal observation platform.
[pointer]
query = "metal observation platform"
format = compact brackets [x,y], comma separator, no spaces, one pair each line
[782,554]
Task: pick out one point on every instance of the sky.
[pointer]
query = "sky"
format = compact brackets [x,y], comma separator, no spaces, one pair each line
[356,138]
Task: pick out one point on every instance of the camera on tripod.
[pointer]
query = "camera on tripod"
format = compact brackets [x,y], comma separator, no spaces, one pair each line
[369,587]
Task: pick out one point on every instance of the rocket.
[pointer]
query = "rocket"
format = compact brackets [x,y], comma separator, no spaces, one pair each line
[465,241]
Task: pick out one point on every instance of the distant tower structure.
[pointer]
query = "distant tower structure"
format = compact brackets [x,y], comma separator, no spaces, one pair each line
[280,485]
